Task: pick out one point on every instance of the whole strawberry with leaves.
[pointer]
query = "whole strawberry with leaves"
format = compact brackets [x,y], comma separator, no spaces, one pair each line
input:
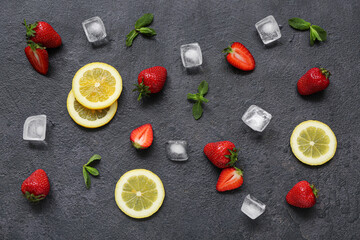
[150,81]
[222,154]
[36,187]
[314,80]
[42,33]
[302,195]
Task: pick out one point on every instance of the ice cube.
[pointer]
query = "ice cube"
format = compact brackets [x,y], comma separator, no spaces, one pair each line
[35,128]
[176,150]
[252,207]
[268,29]
[94,29]
[256,118]
[191,55]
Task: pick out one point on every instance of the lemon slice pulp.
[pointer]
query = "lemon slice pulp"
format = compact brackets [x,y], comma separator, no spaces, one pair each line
[89,118]
[313,142]
[139,193]
[97,85]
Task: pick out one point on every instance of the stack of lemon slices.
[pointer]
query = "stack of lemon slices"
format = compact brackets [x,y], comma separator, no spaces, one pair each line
[92,102]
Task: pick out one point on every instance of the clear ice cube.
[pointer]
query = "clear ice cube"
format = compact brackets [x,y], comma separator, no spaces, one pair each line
[35,128]
[176,150]
[252,207]
[94,29]
[191,55]
[256,118]
[268,29]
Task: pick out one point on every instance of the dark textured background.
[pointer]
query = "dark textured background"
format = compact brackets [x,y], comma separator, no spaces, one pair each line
[192,208]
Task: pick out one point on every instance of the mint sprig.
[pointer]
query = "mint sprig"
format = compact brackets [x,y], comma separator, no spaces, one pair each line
[197,109]
[141,28]
[88,169]
[316,32]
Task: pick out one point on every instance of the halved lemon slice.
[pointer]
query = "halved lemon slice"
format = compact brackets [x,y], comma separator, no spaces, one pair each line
[97,85]
[139,193]
[313,142]
[89,118]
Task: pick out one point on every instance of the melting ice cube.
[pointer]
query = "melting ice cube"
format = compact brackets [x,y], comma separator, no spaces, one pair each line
[35,128]
[176,150]
[252,207]
[256,118]
[191,55]
[94,29]
[268,29]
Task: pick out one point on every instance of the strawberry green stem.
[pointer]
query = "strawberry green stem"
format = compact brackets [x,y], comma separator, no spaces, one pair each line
[142,89]
[315,191]
[325,72]
[233,157]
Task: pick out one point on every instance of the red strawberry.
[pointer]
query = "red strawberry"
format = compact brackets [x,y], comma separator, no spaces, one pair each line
[142,137]
[240,57]
[229,179]
[38,57]
[314,80]
[43,33]
[221,154]
[302,195]
[36,187]
[151,80]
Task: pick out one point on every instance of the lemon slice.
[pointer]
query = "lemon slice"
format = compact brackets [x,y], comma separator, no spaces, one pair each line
[97,85]
[313,142]
[89,118]
[139,193]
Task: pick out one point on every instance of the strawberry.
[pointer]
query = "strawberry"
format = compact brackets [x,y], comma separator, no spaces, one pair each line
[314,80]
[38,57]
[229,179]
[142,137]
[302,195]
[240,57]
[150,81]
[221,154]
[36,187]
[42,33]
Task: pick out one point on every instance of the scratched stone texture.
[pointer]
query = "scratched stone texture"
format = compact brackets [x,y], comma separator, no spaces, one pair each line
[192,209]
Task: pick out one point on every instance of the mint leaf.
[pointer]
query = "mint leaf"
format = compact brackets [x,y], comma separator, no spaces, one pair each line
[86,178]
[144,21]
[147,31]
[202,99]
[312,36]
[191,96]
[92,171]
[299,24]
[130,37]
[95,157]
[319,32]
[203,88]
[197,110]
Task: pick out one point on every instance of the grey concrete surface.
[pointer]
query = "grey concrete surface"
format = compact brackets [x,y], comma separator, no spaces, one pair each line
[192,209]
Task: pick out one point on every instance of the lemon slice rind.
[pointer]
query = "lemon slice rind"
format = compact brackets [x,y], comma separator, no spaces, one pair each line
[99,104]
[310,160]
[85,122]
[144,212]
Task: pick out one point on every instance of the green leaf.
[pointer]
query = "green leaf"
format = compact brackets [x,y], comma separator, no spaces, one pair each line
[204,100]
[144,21]
[312,36]
[191,96]
[147,31]
[95,157]
[92,171]
[299,24]
[197,110]
[130,37]
[86,178]
[203,88]
[319,33]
